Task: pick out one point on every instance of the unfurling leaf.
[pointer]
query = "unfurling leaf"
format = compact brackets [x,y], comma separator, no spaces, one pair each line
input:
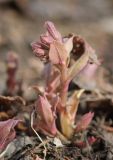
[78,66]
[7,132]
[45,120]
[84,122]
[68,115]
[82,54]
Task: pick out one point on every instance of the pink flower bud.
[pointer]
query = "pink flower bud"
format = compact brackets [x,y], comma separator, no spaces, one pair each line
[52,31]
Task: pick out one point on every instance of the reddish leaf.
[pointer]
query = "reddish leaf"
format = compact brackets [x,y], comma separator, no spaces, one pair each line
[7,132]
[84,122]
[58,54]
[83,144]
[53,83]
[45,120]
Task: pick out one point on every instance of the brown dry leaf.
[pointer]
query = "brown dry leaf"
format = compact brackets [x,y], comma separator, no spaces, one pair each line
[3,116]
[7,132]
[11,100]
[21,127]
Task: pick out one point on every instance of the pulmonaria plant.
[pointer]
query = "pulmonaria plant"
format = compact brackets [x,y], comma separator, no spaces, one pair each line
[64,58]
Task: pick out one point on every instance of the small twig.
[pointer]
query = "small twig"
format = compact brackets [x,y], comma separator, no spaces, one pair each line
[45,149]
[42,144]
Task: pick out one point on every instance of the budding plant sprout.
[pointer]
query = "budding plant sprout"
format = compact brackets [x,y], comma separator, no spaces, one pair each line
[55,110]
[64,58]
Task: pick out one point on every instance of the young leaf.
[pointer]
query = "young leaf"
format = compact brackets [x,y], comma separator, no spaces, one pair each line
[7,132]
[84,122]
[45,120]
[78,66]
[58,54]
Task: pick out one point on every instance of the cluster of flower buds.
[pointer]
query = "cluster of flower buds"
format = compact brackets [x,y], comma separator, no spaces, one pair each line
[65,58]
